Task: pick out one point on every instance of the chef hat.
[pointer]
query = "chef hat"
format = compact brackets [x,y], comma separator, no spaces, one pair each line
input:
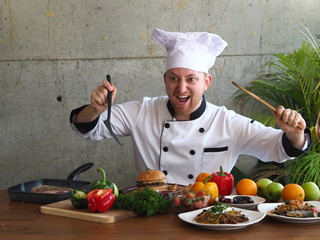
[193,50]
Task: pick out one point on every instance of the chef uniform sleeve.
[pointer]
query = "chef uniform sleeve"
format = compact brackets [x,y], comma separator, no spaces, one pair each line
[290,150]
[82,127]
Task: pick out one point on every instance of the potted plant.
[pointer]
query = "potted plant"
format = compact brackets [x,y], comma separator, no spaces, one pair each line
[292,80]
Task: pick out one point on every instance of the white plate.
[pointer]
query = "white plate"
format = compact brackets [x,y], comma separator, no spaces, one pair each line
[256,200]
[253,217]
[266,207]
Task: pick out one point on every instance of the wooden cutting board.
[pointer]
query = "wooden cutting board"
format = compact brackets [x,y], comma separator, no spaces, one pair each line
[64,208]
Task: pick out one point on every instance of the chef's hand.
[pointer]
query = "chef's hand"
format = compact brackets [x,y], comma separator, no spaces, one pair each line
[99,103]
[99,96]
[288,121]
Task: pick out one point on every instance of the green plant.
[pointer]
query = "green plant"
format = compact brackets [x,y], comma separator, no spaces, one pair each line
[292,80]
[277,172]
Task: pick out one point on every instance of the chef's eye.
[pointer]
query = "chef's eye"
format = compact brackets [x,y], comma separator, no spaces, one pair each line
[192,79]
[173,79]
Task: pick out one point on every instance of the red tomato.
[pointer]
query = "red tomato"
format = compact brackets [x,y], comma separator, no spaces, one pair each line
[176,202]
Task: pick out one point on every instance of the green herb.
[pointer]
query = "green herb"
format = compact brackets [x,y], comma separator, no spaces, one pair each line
[219,207]
[145,202]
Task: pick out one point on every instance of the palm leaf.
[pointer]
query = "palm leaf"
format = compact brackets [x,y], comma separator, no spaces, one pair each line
[307,169]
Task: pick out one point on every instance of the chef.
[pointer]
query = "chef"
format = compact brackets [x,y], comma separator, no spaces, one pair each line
[182,134]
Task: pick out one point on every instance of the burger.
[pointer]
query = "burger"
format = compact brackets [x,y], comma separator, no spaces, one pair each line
[157,180]
[151,177]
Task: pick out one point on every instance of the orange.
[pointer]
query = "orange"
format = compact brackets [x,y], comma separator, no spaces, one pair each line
[197,186]
[292,191]
[246,187]
[202,176]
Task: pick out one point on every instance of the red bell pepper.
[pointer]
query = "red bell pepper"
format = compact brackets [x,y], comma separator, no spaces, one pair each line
[100,200]
[224,180]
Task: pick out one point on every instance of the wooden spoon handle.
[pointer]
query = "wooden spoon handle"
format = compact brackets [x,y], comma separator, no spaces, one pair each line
[257,98]
[254,96]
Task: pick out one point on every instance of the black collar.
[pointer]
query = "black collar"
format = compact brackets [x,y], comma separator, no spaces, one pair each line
[196,114]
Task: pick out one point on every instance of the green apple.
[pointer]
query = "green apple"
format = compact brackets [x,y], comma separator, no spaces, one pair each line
[273,192]
[262,186]
[311,191]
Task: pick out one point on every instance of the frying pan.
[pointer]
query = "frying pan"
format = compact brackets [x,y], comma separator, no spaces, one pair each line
[22,191]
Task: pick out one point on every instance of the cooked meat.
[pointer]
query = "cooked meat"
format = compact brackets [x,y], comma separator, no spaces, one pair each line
[50,189]
[295,208]
[230,217]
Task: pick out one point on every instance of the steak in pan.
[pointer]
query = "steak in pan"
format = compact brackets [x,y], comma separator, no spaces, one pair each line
[50,189]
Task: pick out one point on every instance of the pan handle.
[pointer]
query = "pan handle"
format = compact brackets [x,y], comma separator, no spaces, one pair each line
[76,172]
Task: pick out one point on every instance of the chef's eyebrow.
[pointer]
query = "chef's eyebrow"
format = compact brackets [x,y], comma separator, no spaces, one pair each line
[188,76]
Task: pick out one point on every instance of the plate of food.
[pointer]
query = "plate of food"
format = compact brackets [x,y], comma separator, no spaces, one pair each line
[292,211]
[241,201]
[222,216]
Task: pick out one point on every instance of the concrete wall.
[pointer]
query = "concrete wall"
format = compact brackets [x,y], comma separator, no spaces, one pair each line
[53,53]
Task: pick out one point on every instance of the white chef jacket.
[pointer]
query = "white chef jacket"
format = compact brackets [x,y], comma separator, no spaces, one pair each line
[214,137]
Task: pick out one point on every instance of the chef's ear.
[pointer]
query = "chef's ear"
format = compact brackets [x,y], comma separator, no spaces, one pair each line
[164,77]
[208,80]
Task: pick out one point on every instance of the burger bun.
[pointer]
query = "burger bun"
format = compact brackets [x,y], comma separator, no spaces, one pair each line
[151,177]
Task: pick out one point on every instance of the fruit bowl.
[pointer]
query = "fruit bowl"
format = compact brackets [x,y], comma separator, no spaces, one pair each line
[189,202]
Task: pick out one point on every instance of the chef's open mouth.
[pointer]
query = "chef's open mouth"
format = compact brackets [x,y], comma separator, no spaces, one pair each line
[183,99]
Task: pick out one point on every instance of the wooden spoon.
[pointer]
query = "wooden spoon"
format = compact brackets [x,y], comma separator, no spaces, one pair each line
[257,98]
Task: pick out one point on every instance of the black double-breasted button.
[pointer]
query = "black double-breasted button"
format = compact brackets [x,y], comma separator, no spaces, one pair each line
[201,130]
[165,149]
[167,125]
[192,152]
[165,172]
[190,176]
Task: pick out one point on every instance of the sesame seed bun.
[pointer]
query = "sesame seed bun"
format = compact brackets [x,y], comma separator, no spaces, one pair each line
[151,177]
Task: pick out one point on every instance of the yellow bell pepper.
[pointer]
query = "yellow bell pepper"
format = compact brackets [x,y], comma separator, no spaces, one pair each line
[208,188]
[211,188]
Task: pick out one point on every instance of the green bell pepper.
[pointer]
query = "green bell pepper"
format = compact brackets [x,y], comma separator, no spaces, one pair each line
[78,199]
[104,184]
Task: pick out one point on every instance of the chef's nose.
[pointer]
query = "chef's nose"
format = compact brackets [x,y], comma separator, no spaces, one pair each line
[182,86]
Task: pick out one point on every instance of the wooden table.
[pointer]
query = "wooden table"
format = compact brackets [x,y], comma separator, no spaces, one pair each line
[25,221]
